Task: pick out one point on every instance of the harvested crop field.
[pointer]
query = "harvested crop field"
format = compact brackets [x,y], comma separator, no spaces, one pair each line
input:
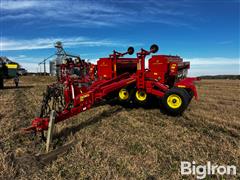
[114,142]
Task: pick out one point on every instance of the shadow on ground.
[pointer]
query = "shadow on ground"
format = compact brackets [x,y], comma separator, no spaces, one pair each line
[19,87]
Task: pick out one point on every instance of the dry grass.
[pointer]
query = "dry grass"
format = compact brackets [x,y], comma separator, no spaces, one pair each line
[114,142]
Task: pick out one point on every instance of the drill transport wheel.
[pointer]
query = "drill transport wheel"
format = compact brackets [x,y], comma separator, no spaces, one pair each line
[141,97]
[175,101]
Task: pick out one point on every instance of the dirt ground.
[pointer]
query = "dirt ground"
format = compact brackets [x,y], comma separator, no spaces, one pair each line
[114,142]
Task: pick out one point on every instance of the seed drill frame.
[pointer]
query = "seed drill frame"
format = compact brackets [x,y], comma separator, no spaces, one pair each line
[81,85]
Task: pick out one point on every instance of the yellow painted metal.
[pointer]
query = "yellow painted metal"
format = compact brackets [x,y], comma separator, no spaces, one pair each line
[12,66]
[83,97]
[141,95]
[174,101]
[139,65]
[123,94]
[181,86]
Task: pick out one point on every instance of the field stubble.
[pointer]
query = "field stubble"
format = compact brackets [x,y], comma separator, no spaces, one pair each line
[117,142]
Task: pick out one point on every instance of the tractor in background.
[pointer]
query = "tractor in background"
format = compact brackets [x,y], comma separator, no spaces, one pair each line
[3,73]
[8,70]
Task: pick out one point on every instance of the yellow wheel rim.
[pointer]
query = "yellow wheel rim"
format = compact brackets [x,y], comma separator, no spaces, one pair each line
[174,101]
[123,94]
[141,95]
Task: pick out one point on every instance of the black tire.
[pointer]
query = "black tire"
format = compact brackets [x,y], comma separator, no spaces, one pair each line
[143,102]
[191,94]
[1,83]
[170,106]
[130,95]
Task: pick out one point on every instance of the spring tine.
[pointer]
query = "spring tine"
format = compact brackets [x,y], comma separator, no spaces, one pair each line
[43,137]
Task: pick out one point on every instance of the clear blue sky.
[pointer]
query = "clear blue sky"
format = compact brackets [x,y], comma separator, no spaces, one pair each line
[205,32]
